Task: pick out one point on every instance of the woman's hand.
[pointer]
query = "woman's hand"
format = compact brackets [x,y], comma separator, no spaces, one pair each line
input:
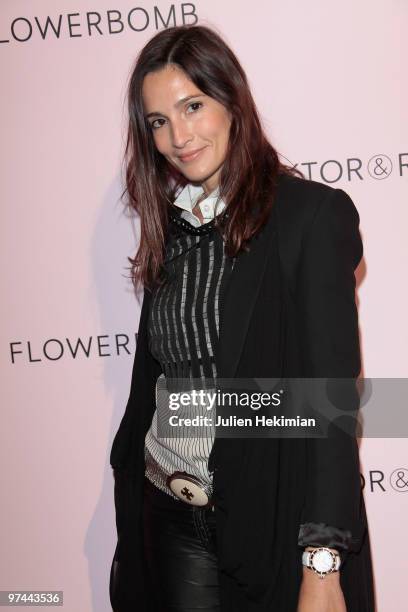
[321,594]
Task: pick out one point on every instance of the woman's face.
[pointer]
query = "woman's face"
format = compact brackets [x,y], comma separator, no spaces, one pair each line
[189,128]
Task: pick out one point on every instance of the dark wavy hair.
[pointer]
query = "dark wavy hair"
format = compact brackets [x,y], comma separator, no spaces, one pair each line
[248,175]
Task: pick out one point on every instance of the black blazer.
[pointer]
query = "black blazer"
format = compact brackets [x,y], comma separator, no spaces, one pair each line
[289,310]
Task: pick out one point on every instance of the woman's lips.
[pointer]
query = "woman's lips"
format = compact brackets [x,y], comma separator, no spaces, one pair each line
[191,156]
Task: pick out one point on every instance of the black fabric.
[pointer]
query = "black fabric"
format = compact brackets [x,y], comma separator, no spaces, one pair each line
[180,553]
[289,310]
[320,534]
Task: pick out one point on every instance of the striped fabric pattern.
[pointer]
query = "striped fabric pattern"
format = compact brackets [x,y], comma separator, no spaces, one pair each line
[183,336]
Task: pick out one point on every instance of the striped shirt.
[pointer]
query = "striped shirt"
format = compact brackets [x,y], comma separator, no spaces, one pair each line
[183,332]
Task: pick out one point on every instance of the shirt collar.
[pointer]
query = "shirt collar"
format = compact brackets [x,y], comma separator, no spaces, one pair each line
[187,199]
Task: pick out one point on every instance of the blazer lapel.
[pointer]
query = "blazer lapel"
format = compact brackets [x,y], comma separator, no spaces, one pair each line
[240,297]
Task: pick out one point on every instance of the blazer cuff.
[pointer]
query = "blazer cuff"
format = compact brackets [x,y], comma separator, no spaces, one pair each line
[321,534]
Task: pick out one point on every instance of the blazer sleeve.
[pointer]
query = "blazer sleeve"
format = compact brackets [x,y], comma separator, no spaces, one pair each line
[127,461]
[320,534]
[329,342]
[142,388]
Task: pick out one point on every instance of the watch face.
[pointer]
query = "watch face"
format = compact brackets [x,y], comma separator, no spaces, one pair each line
[322,561]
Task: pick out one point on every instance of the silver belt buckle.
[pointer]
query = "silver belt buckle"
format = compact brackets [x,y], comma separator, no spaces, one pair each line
[190,489]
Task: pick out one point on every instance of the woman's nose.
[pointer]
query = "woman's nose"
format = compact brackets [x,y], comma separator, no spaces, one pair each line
[181,134]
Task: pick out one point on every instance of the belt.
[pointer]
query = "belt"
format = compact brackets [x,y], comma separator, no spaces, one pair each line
[190,489]
[186,487]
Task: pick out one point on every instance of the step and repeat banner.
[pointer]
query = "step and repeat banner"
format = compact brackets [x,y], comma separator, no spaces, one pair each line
[330,83]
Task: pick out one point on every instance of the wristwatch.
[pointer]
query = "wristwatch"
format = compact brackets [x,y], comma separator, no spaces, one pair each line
[322,561]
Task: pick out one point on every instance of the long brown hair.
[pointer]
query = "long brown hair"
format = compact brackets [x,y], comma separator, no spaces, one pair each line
[251,167]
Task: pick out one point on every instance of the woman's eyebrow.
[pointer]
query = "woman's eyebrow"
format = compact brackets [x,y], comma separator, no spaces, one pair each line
[177,104]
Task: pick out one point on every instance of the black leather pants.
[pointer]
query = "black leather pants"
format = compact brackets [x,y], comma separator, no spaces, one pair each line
[179,548]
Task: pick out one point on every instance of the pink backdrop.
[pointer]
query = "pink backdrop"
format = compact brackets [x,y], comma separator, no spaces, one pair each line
[330,82]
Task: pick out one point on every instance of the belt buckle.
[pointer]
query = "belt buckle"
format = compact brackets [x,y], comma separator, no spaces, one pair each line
[189,489]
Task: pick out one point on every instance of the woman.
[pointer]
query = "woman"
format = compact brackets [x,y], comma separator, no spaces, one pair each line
[248,272]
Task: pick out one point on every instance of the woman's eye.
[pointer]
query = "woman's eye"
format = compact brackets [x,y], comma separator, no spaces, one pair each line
[194,106]
[197,105]
[154,125]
